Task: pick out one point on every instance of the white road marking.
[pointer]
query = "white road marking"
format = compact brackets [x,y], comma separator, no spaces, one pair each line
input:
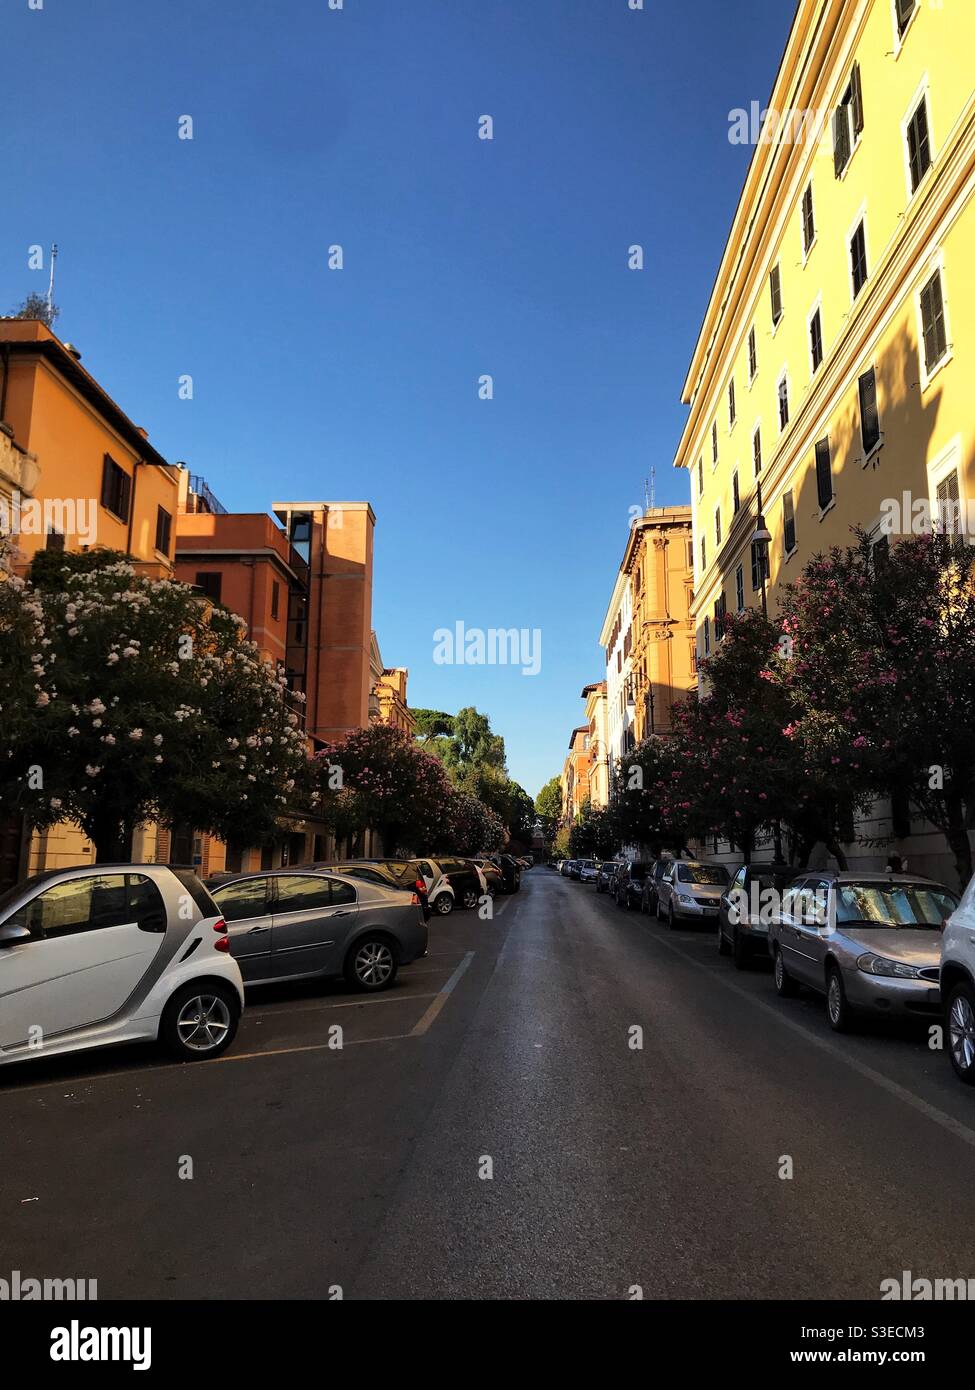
[441,998]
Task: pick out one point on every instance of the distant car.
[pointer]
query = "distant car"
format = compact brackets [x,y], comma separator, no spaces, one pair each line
[575,868]
[510,871]
[397,873]
[958,985]
[564,867]
[604,877]
[690,891]
[588,871]
[628,883]
[652,882]
[869,942]
[745,909]
[462,877]
[115,953]
[289,924]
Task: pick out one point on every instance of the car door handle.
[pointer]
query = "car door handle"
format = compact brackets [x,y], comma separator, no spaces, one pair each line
[252,930]
[342,912]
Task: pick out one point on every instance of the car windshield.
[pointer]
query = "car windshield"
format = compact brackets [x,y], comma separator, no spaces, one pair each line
[715,875]
[913,905]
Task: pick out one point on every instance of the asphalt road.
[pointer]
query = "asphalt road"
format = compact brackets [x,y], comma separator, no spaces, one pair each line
[487,1130]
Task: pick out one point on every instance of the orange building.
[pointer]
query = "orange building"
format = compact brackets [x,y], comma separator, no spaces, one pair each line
[575,774]
[98,481]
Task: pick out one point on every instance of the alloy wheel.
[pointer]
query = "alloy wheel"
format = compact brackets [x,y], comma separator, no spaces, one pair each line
[373,963]
[961,1029]
[203,1022]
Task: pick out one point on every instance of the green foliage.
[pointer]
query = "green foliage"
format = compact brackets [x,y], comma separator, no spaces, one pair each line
[35,307]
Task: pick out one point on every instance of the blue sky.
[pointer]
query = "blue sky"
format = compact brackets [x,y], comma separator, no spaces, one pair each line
[462,257]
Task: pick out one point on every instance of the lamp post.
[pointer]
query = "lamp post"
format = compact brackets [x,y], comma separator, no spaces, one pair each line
[761,540]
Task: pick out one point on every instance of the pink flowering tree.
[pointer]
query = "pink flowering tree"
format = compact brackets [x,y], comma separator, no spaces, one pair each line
[881,672]
[128,699]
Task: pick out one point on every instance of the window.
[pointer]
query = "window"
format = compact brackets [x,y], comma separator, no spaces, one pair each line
[918,144]
[948,500]
[752,356]
[717,526]
[720,613]
[904,10]
[775,292]
[704,555]
[700,476]
[735,492]
[275,597]
[300,893]
[740,588]
[164,529]
[869,412]
[757,449]
[714,442]
[788,523]
[707,636]
[824,474]
[116,488]
[690,555]
[783,394]
[858,258]
[210,582]
[238,901]
[816,341]
[933,328]
[732,407]
[847,122]
[759,564]
[93,903]
[808,220]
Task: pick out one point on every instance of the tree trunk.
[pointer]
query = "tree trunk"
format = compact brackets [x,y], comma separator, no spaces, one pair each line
[833,845]
[112,840]
[956,833]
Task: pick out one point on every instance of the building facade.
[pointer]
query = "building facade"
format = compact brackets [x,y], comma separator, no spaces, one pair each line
[616,639]
[599,753]
[833,369]
[575,774]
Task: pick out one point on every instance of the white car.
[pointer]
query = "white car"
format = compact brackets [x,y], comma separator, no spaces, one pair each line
[115,953]
[957,984]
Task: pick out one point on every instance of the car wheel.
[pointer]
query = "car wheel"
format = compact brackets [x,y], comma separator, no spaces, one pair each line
[837,1008]
[723,948]
[468,898]
[961,1032]
[200,1021]
[785,985]
[371,964]
[740,950]
[443,904]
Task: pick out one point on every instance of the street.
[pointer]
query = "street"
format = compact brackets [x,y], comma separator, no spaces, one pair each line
[362,1172]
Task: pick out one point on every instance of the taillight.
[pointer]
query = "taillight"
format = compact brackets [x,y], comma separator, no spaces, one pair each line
[222,943]
[220,925]
[421,886]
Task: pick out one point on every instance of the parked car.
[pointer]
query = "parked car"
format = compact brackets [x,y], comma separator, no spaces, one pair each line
[493,876]
[115,953]
[510,870]
[290,924]
[464,879]
[604,877]
[745,910]
[403,874]
[564,867]
[575,868]
[869,942]
[588,870]
[628,883]
[957,985]
[652,882]
[689,891]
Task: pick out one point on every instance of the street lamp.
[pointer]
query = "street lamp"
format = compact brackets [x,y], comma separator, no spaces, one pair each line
[761,541]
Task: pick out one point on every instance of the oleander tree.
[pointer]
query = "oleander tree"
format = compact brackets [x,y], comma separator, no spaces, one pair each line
[128,699]
[650,801]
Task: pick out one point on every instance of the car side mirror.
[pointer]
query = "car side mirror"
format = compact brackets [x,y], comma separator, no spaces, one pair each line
[12,933]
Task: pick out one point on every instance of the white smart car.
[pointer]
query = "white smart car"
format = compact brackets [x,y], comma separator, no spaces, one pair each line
[115,953]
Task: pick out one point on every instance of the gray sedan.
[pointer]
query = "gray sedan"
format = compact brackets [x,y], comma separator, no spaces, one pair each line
[869,942]
[287,925]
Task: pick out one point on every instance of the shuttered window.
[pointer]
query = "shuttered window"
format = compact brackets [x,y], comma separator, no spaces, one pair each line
[700,476]
[933,322]
[847,122]
[752,356]
[740,588]
[858,259]
[759,563]
[919,144]
[824,473]
[783,402]
[757,450]
[808,220]
[714,442]
[816,341]
[717,526]
[735,492]
[732,406]
[905,9]
[949,505]
[788,523]
[869,412]
[116,488]
[164,528]
[775,292]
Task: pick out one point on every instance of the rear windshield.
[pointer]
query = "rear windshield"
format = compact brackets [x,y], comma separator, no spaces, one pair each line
[893,905]
[197,892]
[713,874]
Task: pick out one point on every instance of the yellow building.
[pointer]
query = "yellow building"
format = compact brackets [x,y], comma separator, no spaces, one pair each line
[387,696]
[659,565]
[836,357]
[833,370]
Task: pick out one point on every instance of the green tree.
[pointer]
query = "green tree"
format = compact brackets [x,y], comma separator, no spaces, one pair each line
[35,306]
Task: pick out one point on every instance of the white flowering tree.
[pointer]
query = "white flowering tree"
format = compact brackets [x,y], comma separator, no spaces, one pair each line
[125,699]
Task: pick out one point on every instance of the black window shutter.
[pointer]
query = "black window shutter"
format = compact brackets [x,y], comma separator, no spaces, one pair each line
[933,318]
[124,494]
[869,413]
[856,100]
[775,287]
[841,140]
[107,469]
[824,473]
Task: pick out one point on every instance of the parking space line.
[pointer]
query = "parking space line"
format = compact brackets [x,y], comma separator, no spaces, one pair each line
[441,998]
[345,1004]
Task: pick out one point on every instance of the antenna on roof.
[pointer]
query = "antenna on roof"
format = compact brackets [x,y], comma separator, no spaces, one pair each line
[652,490]
[50,286]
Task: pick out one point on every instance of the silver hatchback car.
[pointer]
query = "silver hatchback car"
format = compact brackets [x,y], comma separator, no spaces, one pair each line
[288,925]
[869,942]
